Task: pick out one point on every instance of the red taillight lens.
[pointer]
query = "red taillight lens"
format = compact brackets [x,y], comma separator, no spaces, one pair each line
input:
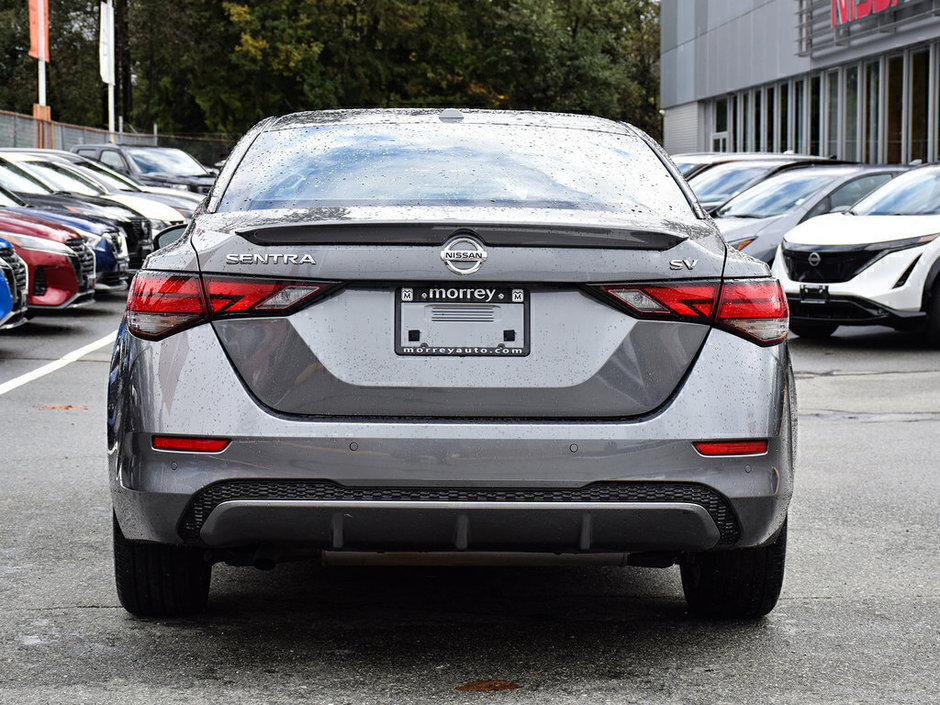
[711,448]
[757,309]
[190,444]
[693,301]
[230,296]
[753,308]
[161,303]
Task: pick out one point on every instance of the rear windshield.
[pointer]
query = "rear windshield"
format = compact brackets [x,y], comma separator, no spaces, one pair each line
[914,193]
[454,165]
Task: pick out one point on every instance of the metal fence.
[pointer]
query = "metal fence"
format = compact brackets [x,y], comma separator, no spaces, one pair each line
[17,130]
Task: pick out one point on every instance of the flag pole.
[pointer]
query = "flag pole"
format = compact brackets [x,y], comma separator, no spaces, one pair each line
[40,5]
[111,69]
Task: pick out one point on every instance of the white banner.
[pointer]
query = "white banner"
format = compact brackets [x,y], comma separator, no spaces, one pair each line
[106,43]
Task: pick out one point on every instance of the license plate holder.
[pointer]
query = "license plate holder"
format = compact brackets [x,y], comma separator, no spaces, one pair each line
[452,320]
[814,294]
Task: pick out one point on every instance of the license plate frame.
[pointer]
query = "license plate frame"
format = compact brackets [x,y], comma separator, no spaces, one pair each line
[462,320]
[814,294]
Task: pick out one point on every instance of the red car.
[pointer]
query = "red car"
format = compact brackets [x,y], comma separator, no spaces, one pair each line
[60,266]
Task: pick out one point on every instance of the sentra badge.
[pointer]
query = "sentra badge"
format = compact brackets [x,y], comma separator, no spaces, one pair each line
[463,254]
[275,258]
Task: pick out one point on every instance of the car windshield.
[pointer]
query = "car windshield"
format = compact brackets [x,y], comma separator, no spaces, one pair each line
[110,180]
[721,182]
[63,179]
[19,181]
[914,193]
[165,161]
[443,164]
[776,195]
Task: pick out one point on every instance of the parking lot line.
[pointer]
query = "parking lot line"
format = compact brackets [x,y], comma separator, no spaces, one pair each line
[66,359]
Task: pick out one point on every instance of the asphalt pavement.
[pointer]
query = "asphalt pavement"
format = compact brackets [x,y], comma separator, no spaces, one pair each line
[858,621]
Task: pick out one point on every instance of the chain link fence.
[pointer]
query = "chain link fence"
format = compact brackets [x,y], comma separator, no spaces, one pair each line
[17,130]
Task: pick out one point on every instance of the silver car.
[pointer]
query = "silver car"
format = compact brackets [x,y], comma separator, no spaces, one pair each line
[473,333]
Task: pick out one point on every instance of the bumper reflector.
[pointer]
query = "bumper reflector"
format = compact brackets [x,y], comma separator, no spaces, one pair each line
[731,447]
[189,444]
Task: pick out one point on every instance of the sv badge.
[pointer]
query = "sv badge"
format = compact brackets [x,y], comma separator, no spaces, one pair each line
[677,264]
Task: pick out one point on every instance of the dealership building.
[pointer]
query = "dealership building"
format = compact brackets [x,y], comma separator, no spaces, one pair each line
[855,79]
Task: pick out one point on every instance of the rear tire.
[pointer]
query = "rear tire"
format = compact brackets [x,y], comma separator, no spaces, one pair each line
[812,330]
[742,583]
[159,580]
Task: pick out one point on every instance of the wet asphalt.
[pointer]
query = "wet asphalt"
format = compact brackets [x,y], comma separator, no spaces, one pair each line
[858,621]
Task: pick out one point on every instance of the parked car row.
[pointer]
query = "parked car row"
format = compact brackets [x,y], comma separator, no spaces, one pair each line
[71,227]
[851,244]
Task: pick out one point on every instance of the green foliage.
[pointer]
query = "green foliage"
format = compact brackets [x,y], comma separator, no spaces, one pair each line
[219,66]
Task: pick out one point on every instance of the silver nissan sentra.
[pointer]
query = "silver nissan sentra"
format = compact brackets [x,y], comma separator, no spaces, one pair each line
[474,334]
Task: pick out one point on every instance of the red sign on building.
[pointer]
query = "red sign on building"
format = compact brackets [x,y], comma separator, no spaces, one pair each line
[844,11]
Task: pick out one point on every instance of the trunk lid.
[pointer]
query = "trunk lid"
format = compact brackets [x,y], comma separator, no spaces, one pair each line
[525,334]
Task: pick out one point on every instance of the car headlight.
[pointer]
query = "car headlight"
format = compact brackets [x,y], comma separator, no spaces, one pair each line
[37,244]
[91,239]
[179,187]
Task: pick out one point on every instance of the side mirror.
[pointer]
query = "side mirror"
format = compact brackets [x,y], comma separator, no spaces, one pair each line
[169,236]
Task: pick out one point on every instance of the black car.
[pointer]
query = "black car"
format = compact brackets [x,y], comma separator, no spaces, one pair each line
[153,166]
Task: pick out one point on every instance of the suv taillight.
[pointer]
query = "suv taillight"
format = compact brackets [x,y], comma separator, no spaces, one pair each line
[161,303]
[752,308]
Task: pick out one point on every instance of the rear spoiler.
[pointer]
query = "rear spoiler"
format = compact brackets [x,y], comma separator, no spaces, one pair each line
[358,233]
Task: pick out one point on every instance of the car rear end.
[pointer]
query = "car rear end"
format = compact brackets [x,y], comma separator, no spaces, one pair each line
[415,342]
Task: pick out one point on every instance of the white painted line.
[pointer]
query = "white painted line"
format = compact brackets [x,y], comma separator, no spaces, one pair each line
[66,359]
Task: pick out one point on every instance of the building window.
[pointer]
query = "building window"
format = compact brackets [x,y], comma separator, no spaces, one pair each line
[758,122]
[870,122]
[745,122]
[783,124]
[920,91]
[815,115]
[850,109]
[832,121]
[769,125]
[894,109]
[798,102]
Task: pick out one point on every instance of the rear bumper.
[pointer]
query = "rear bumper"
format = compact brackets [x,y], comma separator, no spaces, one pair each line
[430,485]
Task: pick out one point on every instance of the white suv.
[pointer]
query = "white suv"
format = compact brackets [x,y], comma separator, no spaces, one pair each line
[875,264]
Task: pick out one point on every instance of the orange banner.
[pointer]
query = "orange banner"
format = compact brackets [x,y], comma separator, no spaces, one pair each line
[39,23]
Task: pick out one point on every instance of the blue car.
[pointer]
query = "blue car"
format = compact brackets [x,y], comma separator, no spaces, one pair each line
[105,239]
[12,287]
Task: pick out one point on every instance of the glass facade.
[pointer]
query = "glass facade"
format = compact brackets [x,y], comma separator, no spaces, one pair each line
[880,109]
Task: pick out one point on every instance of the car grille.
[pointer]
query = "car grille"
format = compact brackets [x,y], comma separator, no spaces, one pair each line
[210,497]
[139,241]
[16,276]
[85,264]
[114,239]
[833,266]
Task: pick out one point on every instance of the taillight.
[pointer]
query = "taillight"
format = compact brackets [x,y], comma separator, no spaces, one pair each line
[161,303]
[756,309]
[691,301]
[752,308]
[231,296]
